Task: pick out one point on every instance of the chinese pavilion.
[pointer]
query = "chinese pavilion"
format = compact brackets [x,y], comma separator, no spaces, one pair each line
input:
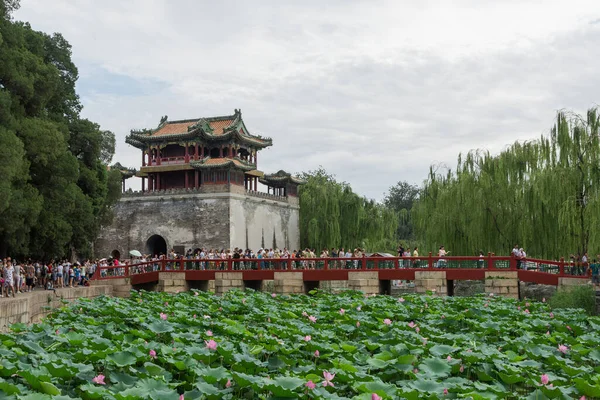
[204,151]
[200,190]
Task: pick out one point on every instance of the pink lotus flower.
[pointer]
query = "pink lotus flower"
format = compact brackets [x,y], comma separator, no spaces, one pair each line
[328,378]
[387,321]
[462,368]
[562,348]
[445,391]
[166,303]
[194,316]
[209,333]
[181,397]
[491,294]
[273,295]
[228,384]
[582,398]
[357,324]
[526,304]
[342,311]
[416,371]
[374,396]
[568,327]
[304,314]
[312,319]
[307,338]
[526,311]
[57,331]
[443,316]
[401,300]
[417,329]
[485,305]
[519,308]
[424,341]
[163,316]
[544,379]
[547,333]
[211,344]
[358,308]
[411,324]
[310,385]
[195,293]
[551,315]
[99,380]
[317,354]
[543,300]
[448,358]
[152,354]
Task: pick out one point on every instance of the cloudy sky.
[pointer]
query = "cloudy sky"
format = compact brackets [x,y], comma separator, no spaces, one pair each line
[373,91]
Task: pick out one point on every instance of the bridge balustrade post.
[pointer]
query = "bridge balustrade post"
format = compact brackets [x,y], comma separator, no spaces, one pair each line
[163,265]
[326,264]
[490,263]
[229,264]
[376,264]
[364,263]
[561,267]
[396,263]
[181,265]
[126,270]
[430,261]
[513,263]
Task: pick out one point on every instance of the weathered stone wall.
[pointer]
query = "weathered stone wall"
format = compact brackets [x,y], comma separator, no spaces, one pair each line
[333,286]
[201,219]
[434,281]
[32,307]
[366,282]
[288,282]
[172,282]
[225,281]
[502,283]
[260,222]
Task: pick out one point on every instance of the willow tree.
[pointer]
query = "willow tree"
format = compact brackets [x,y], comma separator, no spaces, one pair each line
[332,215]
[542,195]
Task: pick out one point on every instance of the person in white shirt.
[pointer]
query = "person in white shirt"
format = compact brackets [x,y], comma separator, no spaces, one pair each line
[441,253]
[522,256]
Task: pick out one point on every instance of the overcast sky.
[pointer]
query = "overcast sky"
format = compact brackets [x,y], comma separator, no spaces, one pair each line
[374,91]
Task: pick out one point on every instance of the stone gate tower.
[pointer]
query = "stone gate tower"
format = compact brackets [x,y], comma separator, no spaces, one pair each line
[199,190]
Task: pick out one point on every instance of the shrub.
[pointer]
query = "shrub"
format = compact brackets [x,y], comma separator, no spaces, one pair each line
[578,297]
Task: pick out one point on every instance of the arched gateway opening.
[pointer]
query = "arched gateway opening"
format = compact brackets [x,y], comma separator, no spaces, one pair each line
[156,245]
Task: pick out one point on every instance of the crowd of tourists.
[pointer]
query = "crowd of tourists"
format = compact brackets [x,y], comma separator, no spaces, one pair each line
[25,276]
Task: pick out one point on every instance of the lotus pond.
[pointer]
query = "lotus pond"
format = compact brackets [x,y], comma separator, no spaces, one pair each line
[252,345]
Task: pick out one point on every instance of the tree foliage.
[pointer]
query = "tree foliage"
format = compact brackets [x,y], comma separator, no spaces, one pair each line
[401,198]
[54,191]
[542,195]
[334,216]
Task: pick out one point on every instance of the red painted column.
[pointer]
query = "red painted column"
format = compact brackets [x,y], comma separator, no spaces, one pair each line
[196,179]
[187,154]
[143,158]
[202,156]
[196,152]
[157,181]
[221,152]
[158,156]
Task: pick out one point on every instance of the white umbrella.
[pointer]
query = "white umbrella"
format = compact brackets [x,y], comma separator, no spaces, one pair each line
[135,253]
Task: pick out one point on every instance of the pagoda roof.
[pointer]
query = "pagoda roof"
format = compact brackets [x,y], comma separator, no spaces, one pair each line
[126,173]
[280,178]
[208,162]
[210,129]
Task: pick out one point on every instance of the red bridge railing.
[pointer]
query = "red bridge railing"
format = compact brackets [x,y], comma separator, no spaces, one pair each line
[455,264]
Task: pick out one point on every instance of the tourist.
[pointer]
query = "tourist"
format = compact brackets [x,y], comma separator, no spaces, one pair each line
[415,254]
[29,276]
[595,275]
[522,257]
[517,254]
[59,275]
[9,278]
[441,254]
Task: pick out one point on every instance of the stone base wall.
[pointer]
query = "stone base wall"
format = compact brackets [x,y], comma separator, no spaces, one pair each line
[568,283]
[225,281]
[431,281]
[172,282]
[32,307]
[502,283]
[364,281]
[333,286]
[288,282]
[121,287]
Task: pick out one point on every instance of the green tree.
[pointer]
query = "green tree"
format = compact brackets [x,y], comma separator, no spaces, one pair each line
[55,190]
[401,198]
[543,195]
[334,216]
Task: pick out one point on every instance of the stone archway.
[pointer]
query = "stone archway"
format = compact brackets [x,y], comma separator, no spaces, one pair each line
[116,254]
[156,245]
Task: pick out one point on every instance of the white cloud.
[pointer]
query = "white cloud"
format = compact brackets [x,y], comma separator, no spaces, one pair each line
[375,91]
